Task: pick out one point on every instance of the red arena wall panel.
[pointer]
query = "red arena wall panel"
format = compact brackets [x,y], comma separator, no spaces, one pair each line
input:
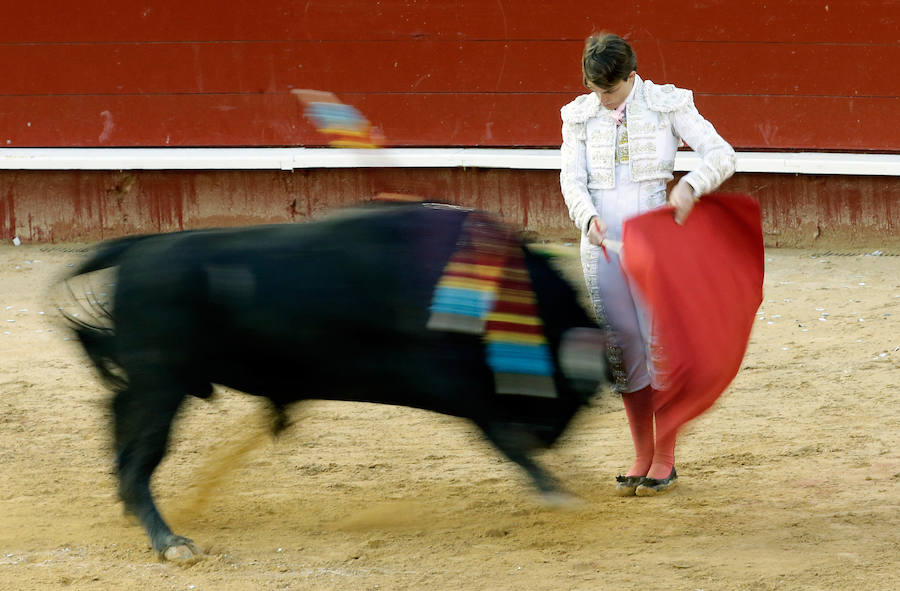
[803,75]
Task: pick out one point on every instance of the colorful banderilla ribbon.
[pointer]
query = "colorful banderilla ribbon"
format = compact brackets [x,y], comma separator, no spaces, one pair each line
[347,127]
[486,289]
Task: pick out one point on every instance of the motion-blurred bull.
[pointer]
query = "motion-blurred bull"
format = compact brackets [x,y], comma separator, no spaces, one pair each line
[355,307]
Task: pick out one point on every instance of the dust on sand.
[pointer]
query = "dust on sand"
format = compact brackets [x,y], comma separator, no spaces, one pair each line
[792,481]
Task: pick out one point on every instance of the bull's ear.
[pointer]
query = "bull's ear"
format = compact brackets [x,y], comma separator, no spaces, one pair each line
[582,357]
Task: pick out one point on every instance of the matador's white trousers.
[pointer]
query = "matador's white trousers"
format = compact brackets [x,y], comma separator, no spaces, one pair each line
[614,301]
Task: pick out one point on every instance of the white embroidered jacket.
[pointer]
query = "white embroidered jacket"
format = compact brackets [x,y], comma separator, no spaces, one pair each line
[659,118]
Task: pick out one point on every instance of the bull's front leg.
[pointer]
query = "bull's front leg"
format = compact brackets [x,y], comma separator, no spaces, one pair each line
[143,420]
[517,444]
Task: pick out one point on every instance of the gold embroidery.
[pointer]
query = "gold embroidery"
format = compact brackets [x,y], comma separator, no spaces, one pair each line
[622,145]
[643,148]
[603,177]
[642,128]
[650,169]
[601,156]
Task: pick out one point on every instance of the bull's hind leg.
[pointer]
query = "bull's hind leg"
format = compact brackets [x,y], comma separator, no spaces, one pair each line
[517,445]
[143,416]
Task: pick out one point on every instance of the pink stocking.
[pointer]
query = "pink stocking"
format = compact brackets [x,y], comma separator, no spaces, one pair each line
[639,410]
[664,453]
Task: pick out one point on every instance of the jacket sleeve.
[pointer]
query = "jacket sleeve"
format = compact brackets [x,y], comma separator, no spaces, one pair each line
[573,173]
[717,155]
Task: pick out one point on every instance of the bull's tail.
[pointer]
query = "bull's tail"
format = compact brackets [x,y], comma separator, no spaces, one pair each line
[99,344]
[92,322]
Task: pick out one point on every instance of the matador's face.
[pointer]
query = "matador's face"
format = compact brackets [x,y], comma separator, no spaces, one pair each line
[613,96]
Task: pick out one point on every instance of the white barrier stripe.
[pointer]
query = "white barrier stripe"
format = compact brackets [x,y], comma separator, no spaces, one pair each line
[302,158]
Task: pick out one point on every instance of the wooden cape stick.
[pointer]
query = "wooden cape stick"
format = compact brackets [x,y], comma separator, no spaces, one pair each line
[613,245]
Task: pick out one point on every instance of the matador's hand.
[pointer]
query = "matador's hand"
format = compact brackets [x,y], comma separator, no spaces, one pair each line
[682,198]
[596,230]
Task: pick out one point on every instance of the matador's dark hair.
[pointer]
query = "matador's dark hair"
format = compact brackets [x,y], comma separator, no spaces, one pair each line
[607,59]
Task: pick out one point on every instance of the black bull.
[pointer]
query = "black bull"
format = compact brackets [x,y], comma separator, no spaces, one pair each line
[335,309]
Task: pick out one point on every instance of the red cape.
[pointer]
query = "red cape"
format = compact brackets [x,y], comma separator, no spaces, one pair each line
[702,283]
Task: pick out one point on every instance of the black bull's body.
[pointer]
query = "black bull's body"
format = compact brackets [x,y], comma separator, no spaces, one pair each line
[335,309]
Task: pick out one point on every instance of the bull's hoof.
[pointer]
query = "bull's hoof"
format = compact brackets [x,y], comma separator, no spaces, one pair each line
[181,551]
[560,499]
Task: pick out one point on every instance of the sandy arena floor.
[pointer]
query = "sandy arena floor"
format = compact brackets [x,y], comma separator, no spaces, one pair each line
[791,482]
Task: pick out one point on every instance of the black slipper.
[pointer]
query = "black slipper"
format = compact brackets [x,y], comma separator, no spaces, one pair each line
[649,487]
[627,485]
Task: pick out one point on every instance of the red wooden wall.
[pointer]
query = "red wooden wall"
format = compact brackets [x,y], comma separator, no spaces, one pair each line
[793,75]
